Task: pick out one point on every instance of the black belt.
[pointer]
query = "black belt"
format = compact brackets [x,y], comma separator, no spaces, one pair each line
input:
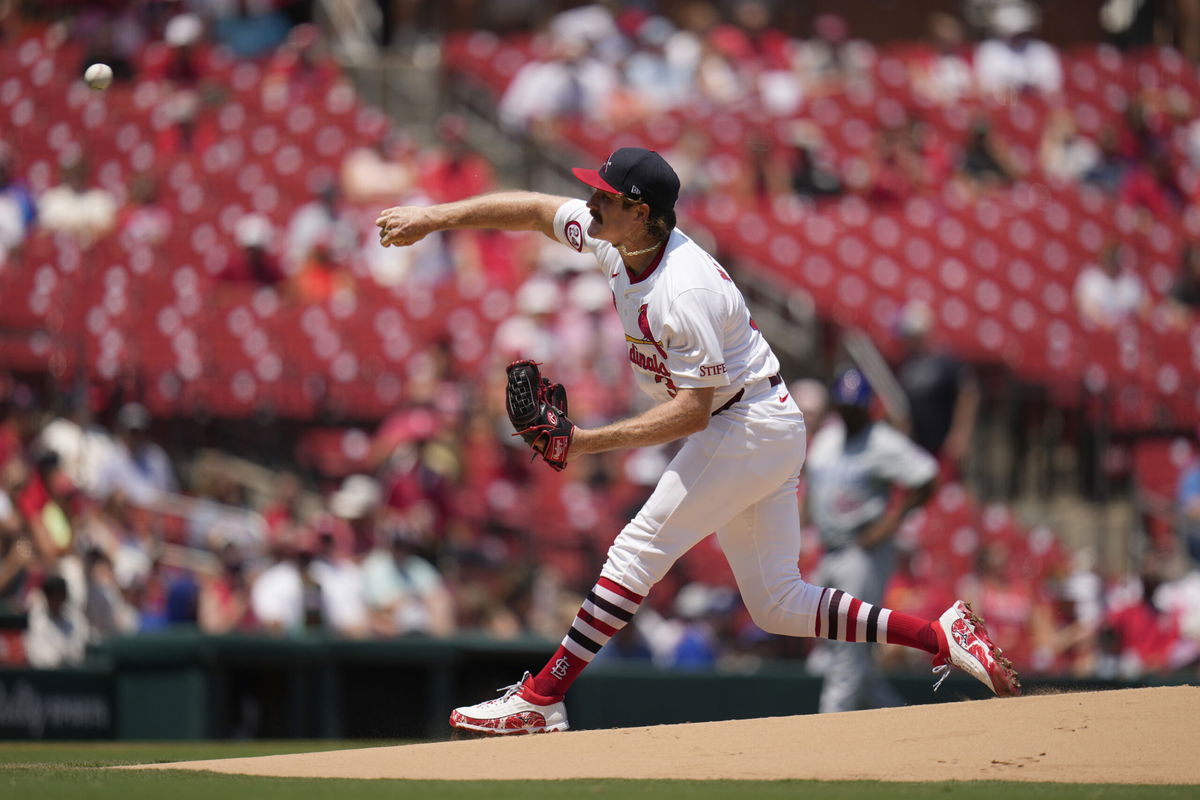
[775,380]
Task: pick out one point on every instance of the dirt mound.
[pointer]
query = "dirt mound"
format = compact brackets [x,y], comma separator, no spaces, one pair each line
[1127,736]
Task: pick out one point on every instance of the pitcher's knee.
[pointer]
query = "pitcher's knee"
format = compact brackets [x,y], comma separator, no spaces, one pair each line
[790,612]
[635,574]
[769,619]
[777,620]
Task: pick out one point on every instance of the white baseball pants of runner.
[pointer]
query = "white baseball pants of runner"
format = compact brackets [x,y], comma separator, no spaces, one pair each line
[738,477]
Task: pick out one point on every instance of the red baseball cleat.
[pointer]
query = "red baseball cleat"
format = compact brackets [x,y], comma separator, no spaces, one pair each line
[965,644]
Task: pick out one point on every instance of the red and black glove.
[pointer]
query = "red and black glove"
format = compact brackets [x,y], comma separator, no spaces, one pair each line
[537,410]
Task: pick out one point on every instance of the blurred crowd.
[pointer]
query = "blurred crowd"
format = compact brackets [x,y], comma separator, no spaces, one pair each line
[101,536]
[615,70]
[98,538]
[435,522]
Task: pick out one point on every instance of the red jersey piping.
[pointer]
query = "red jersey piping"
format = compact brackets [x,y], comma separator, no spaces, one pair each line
[653,265]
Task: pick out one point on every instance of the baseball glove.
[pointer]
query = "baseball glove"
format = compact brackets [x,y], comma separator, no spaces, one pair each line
[537,409]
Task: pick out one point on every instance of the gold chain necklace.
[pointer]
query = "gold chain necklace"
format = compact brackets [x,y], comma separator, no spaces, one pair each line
[632,253]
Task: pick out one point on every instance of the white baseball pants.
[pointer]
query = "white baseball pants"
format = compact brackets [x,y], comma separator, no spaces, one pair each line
[737,477]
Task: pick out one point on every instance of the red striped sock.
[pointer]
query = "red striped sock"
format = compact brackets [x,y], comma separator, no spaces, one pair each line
[845,618]
[607,609]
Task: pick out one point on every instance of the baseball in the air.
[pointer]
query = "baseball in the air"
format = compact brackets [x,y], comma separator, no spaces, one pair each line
[98,76]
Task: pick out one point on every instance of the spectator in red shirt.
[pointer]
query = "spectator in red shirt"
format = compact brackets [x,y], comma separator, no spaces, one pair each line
[253,263]
[1151,187]
[456,171]
[320,277]
[1001,597]
[1145,135]
[190,129]
[415,473]
[770,46]
[300,68]
[1143,638]
[183,65]
[43,502]
[224,603]
[896,167]
[284,508]
[354,513]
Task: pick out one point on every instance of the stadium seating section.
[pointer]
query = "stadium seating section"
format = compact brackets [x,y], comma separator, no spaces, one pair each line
[998,272]
[117,307]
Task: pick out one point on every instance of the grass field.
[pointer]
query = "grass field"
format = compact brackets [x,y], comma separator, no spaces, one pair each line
[44,771]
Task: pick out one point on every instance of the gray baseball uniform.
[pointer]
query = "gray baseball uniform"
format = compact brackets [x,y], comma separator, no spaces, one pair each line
[849,485]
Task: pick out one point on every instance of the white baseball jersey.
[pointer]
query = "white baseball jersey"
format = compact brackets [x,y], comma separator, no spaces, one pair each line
[687,326]
[850,480]
[686,323]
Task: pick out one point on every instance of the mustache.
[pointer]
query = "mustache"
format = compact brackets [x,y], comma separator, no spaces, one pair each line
[596,216]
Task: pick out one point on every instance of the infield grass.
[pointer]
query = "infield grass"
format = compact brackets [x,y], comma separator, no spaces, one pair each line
[49,771]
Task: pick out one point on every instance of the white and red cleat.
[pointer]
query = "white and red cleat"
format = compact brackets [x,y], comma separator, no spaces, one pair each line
[964,642]
[518,710]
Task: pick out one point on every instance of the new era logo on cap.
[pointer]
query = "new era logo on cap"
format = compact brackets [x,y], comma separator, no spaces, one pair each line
[637,173]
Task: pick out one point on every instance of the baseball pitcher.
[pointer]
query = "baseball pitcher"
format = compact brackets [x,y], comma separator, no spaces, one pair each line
[693,348]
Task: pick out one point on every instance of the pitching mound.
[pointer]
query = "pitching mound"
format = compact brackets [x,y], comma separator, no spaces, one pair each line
[1128,736]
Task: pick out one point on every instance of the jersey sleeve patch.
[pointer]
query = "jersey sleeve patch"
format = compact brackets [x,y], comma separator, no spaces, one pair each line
[574,234]
[569,222]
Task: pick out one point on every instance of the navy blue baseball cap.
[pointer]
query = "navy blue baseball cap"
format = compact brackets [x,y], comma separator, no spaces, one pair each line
[851,389]
[637,173]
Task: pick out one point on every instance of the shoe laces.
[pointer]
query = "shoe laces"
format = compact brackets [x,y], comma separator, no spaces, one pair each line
[509,691]
[943,671]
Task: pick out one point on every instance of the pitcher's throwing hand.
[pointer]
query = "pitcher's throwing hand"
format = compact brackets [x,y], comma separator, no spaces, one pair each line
[402,226]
